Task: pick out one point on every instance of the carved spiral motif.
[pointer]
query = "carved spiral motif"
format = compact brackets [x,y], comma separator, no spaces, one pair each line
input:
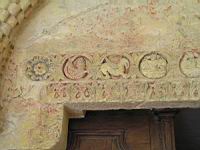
[190,64]
[39,68]
[76,67]
[153,66]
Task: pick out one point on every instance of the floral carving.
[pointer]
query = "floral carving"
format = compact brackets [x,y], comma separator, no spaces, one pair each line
[190,64]
[76,67]
[115,66]
[39,68]
[153,66]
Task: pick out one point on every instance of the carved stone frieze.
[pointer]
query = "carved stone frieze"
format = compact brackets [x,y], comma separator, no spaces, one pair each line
[125,90]
[103,66]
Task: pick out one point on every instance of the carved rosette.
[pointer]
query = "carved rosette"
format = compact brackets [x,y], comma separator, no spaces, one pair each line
[39,68]
[115,66]
[153,66]
[77,67]
[190,64]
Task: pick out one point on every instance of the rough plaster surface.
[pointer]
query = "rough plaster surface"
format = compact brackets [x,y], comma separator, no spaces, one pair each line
[74,55]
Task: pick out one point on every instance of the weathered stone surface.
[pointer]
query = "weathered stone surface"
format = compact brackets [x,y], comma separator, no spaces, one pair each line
[93,55]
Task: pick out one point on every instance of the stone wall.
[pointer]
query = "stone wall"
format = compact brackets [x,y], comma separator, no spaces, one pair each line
[72,56]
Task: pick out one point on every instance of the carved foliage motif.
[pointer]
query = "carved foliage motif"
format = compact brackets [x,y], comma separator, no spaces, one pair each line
[153,66]
[76,67]
[190,64]
[39,68]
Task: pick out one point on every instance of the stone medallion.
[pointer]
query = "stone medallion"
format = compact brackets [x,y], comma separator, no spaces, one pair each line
[39,68]
[115,66]
[76,67]
[153,66]
[190,64]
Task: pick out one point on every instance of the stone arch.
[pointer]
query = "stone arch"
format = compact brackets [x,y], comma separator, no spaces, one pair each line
[12,14]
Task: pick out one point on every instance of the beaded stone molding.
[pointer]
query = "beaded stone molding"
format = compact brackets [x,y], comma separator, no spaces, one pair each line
[12,13]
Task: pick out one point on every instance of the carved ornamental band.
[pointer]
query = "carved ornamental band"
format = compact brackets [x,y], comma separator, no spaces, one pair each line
[140,65]
[124,90]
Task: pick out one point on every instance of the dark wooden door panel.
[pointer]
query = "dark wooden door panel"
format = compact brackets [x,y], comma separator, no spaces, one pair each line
[117,130]
[98,140]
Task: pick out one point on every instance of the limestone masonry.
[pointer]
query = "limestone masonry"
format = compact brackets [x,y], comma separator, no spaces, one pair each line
[59,58]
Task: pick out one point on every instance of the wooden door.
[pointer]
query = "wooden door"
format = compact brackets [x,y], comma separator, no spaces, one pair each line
[121,130]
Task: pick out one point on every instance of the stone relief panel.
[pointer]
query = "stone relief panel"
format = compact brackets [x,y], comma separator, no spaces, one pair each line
[117,81]
[39,68]
[107,54]
[106,66]
[190,64]
[114,66]
[153,66]
[77,67]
